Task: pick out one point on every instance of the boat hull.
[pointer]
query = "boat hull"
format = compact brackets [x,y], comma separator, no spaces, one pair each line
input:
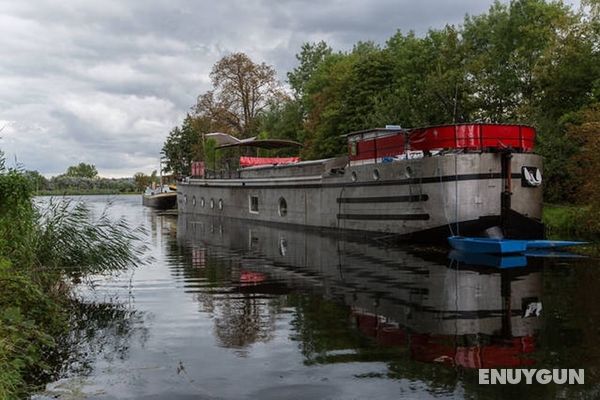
[487,245]
[432,196]
[161,201]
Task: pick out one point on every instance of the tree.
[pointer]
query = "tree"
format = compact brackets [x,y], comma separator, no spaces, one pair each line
[38,180]
[82,170]
[211,155]
[506,47]
[309,58]
[283,120]
[585,132]
[325,98]
[184,145]
[242,91]
[142,181]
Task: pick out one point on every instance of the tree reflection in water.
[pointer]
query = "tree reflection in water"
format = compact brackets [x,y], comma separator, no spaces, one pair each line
[244,309]
[243,320]
[97,331]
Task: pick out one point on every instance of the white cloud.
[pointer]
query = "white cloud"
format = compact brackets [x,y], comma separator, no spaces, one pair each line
[117,115]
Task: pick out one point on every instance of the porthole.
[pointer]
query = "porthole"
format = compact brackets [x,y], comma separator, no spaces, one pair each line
[376,174]
[282,207]
[220,204]
[212,203]
[353,176]
[202,202]
[409,172]
[194,201]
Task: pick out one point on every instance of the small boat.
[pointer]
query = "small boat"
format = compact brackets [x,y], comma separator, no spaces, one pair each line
[162,198]
[505,246]
[487,245]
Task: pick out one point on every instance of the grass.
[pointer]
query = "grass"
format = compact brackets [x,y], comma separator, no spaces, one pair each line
[573,222]
[561,219]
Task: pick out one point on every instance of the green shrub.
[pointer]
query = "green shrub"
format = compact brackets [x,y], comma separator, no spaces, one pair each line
[567,221]
[42,250]
[29,319]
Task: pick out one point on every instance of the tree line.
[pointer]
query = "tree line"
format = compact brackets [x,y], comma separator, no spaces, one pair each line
[528,61]
[84,179]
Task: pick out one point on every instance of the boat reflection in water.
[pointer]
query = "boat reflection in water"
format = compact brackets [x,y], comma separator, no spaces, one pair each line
[434,309]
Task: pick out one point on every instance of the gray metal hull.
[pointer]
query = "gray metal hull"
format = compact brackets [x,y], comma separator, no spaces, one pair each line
[400,198]
[160,201]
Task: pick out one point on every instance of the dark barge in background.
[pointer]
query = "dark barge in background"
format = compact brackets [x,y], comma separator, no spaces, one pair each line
[163,198]
[419,183]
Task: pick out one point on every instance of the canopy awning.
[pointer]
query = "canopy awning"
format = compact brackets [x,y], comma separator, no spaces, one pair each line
[256,161]
[225,140]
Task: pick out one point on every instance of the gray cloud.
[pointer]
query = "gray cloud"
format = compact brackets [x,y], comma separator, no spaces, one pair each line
[104,82]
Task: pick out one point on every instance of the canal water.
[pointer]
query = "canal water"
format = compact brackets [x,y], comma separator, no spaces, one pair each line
[235,310]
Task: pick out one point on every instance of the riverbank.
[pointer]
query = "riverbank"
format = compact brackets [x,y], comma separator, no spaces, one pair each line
[44,249]
[569,221]
[572,222]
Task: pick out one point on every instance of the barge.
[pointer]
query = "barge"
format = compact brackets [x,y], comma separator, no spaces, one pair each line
[161,198]
[467,179]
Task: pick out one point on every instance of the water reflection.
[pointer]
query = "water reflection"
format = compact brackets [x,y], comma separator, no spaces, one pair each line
[237,310]
[447,314]
[355,301]
[100,330]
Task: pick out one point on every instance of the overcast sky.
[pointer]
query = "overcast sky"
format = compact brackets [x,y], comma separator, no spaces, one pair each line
[103,82]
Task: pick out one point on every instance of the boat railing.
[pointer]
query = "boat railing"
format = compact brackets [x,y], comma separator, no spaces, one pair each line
[221,174]
[377,144]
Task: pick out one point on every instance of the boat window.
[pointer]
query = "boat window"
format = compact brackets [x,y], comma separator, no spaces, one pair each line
[194,201]
[212,203]
[409,171]
[282,207]
[253,204]
[376,174]
[220,204]
[354,176]
[202,202]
